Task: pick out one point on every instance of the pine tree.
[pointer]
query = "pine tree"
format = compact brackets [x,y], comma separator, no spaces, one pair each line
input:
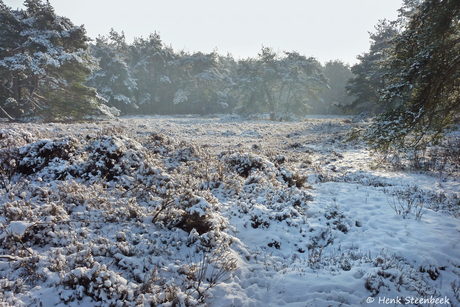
[425,61]
[200,78]
[301,81]
[227,95]
[331,99]
[44,62]
[248,86]
[113,80]
[278,85]
[151,64]
[369,74]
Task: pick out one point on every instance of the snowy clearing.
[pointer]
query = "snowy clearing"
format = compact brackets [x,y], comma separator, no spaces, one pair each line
[218,211]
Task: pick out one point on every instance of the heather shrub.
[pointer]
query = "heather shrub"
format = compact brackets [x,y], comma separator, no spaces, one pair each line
[45,153]
[110,157]
[244,164]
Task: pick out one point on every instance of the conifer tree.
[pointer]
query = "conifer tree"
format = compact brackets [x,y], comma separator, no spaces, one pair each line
[368,78]
[301,81]
[249,86]
[278,84]
[44,62]
[199,78]
[151,65]
[424,83]
[333,98]
[113,80]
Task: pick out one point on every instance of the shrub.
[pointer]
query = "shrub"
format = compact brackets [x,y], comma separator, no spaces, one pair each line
[293,178]
[408,201]
[244,164]
[112,156]
[99,282]
[36,156]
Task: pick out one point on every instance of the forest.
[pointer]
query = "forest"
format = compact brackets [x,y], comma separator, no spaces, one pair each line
[149,77]
[50,69]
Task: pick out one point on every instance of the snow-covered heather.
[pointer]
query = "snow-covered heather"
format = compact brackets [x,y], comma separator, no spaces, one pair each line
[218,211]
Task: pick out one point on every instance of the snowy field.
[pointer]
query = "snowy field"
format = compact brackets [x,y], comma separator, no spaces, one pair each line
[217,211]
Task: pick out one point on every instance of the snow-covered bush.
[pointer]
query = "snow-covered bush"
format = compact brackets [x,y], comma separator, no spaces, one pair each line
[244,164]
[98,282]
[337,220]
[53,154]
[293,178]
[391,272]
[109,157]
[195,213]
[10,142]
[442,158]
[185,154]
[452,151]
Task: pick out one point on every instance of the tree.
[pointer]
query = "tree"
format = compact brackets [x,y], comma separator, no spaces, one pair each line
[200,77]
[249,87]
[425,79]
[369,74]
[257,81]
[113,80]
[44,62]
[269,71]
[275,84]
[337,73]
[302,79]
[152,66]
[228,93]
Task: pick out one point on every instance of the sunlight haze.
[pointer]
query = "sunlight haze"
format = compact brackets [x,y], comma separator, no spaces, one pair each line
[326,30]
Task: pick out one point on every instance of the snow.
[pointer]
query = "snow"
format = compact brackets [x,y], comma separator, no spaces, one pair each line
[129,212]
[17,228]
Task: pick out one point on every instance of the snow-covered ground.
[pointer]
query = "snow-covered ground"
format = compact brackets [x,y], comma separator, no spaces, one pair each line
[218,211]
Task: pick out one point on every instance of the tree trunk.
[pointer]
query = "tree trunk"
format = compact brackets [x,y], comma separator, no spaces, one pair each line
[16,87]
[271,103]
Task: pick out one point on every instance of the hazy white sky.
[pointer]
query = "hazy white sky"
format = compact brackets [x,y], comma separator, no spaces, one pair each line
[324,29]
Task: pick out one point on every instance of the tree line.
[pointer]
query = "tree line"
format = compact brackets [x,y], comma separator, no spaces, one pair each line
[50,68]
[409,79]
[149,77]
